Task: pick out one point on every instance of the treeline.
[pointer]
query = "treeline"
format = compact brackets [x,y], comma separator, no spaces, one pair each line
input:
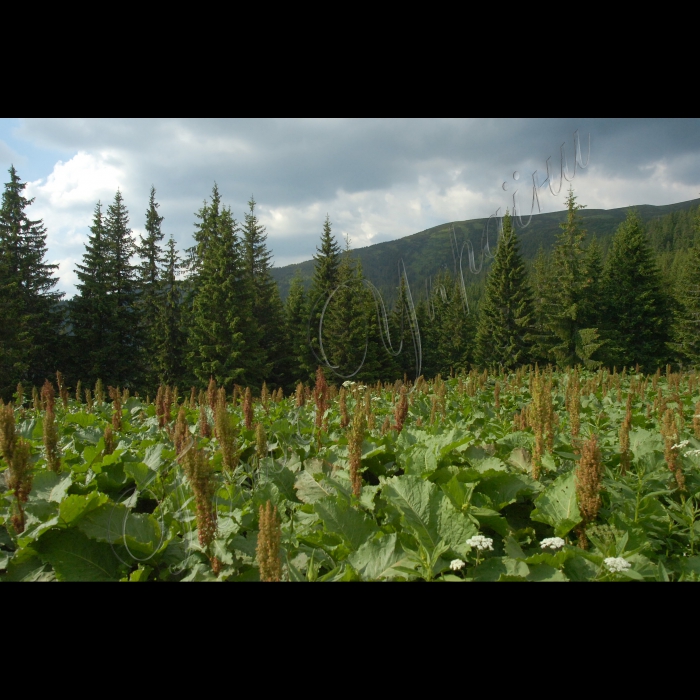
[144,314]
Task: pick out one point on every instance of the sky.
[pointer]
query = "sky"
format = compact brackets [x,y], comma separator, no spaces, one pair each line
[377,179]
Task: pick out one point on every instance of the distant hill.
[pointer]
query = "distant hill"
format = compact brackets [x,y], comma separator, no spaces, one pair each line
[426,253]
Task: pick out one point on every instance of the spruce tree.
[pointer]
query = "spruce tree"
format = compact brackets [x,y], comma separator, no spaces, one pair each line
[220,319]
[592,290]
[269,347]
[345,323]
[636,306]
[540,282]
[303,364]
[571,341]
[90,310]
[379,364]
[29,313]
[506,312]
[402,336]
[687,320]
[151,258]
[325,280]
[125,337]
[170,338]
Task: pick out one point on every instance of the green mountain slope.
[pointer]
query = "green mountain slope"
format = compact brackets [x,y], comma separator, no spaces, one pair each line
[426,253]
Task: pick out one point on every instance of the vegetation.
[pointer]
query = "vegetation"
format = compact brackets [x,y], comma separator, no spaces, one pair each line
[527,475]
[494,469]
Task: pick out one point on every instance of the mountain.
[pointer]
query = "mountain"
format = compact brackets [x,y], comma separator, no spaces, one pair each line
[426,253]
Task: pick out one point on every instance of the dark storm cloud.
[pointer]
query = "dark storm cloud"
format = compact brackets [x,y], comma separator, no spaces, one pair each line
[293,162]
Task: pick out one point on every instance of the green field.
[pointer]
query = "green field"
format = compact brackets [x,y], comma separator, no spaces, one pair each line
[532,476]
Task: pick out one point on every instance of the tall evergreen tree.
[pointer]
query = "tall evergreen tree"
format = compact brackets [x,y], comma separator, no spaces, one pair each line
[325,280]
[90,309]
[506,312]
[345,319]
[592,290]
[28,307]
[402,335]
[636,306]
[125,331]
[447,329]
[220,317]
[687,319]
[271,354]
[296,308]
[540,281]
[571,341]
[151,258]
[170,338]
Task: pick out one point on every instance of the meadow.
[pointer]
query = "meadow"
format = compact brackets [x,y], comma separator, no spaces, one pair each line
[536,475]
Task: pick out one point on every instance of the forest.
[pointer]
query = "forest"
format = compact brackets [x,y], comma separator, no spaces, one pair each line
[146,314]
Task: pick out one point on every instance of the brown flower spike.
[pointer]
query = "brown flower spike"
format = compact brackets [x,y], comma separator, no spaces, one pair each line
[269,539]
[16,452]
[589,476]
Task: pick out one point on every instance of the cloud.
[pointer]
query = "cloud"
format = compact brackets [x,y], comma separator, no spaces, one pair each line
[378,179]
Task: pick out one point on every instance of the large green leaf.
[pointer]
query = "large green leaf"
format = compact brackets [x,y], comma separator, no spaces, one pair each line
[353,525]
[428,513]
[377,559]
[142,474]
[74,557]
[501,568]
[116,524]
[82,419]
[504,488]
[74,507]
[91,435]
[557,505]
[27,566]
[309,490]
[420,460]
[49,486]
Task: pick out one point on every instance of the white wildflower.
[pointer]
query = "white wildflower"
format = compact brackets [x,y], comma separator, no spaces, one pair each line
[616,564]
[480,542]
[681,445]
[692,453]
[456,564]
[552,543]
[347,384]
[361,387]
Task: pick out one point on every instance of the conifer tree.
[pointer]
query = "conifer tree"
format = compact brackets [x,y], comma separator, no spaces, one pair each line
[269,348]
[540,281]
[592,291]
[379,364]
[636,306]
[345,332]
[125,337]
[687,321]
[149,283]
[686,334]
[170,338]
[402,336]
[296,321]
[506,313]
[28,303]
[325,280]
[571,341]
[219,322]
[90,309]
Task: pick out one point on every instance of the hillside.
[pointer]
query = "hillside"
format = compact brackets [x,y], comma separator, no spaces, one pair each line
[426,253]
